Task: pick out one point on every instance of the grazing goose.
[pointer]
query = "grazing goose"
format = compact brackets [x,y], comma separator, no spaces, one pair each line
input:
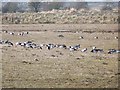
[84,50]
[95,50]
[21,34]
[116,37]
[11,33]
[77,46]
[74,48]
[5,31]
[71,48]
[29,42]
[81,37]
[61,46]
[34,45]
[1,42]
[27,32]
[18,43]
[6,41]
[50,46]
[95,37]
[22,44]
[28,46]
[10,43]
[111,51]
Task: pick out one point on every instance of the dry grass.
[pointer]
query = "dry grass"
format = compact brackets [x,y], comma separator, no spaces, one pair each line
[62,17]
[60,68]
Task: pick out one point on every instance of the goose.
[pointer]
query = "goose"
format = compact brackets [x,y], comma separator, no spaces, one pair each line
[27,32]
[93,47]
[111,51]
[50,46]
[95,50]
[21,34]
[5,31]
[77,46]
[0,41]
[10,43]
[116,37]
[18,43]
[81,37]
[29,42]
[22,44]
[71,48]
[28,46]
[61,46]
[33,45]
[84,50]
[6,41]
[11,33]
[96,37]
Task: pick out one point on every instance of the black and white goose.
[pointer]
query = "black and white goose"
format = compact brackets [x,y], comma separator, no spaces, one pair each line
[84,50]
[71,48]
[77,46]
[11,33]
[50,46]
[111,51]
[61,46]
[95,50]
[81,37]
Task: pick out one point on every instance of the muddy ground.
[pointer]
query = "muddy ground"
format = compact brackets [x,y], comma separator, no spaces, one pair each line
[60,68]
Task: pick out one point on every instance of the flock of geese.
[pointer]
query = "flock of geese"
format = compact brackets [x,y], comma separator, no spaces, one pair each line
[13,33]
[32,45]
[26,33]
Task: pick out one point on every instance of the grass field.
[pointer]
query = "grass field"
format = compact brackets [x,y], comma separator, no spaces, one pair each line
[60,68]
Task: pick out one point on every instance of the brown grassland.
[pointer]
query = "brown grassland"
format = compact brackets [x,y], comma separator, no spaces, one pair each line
[60,68]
